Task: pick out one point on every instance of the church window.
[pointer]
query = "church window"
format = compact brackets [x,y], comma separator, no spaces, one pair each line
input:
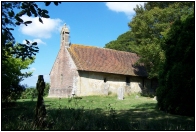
[127,81]
[105,80]
[63,35]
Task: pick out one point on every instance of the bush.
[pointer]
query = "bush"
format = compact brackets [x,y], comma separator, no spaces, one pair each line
[46,90]
[29,93]
[13,93]
[176,92]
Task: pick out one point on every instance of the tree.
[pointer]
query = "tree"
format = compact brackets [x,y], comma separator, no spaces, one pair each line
[176,92]
[150,25]
[29,93]
[16,57]
[12,76]
[122,43]
[10,19]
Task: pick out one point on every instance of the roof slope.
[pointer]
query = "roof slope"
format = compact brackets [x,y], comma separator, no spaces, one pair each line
[89,58]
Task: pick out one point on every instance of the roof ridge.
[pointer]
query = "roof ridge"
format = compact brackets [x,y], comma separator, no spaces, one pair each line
[103,48]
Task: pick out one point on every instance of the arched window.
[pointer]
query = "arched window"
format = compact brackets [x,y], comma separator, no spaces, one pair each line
[63,36]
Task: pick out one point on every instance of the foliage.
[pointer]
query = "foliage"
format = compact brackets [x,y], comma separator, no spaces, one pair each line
[122,43]
[16,56]
[11,19]
[46,90]
[12,76]
[150,25]
[95,113]
[176,93]
[31,93]
[147,28]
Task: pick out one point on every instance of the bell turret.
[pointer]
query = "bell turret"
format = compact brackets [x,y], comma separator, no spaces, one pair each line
[65,36]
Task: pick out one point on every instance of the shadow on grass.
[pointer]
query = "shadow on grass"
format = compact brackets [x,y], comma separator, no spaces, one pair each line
[143,117]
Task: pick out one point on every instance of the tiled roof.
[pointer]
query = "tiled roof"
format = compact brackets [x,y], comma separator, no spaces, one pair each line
[89,58]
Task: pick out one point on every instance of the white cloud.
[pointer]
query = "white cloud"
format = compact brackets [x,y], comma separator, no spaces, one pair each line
[126,7]
[39,30]
[39,41]
[33,68]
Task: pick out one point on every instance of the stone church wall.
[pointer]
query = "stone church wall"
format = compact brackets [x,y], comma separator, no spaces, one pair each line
[95,83]
[63,75]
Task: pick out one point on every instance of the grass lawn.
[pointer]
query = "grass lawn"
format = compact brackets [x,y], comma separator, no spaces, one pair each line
[95,113]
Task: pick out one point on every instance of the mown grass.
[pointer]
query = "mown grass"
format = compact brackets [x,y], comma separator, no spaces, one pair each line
[95,113]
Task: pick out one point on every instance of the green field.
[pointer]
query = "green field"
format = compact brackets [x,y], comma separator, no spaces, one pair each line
[94,113]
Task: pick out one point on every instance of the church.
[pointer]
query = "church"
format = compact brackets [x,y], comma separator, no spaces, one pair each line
[87,70]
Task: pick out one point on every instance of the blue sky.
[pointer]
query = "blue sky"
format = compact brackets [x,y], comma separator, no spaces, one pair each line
[90,23]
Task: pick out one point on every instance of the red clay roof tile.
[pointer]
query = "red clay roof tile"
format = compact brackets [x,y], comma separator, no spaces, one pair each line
[89,58]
